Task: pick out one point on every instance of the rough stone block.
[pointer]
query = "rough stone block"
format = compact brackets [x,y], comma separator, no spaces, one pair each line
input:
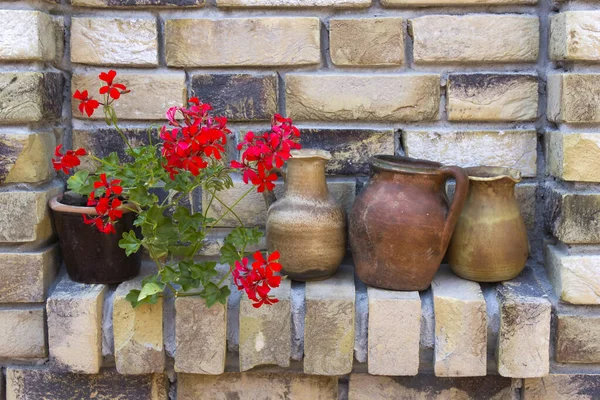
[524,338]
[340,97]
[266,332]
[28,35]
[508,148]
[420,3]
[562,387]
[30,383]
[575,36]
[114,41]
[577,338]
[571,216]
[24,214]
[255,386]
[366,41]
[350,149]
[460,326]
[139,3]
[75,326]
[249,42]
[573,156]
[573,98]
[394,331]
[30,96]
[492,97]
[295,3]
[200,336]
[150,97]
[239,97]
[26,275]
[25,157]
[329,324]
[138,333]
[475,38]
[22,333]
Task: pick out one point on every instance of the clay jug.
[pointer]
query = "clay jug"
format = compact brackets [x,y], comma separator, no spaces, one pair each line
[306,224]
[490,242]
[401,223]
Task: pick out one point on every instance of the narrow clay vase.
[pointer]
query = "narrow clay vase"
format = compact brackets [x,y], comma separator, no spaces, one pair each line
[490,242]
[401,223]
[306,224]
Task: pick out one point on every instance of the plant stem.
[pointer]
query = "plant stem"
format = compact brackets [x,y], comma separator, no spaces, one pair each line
[227,207]
[232,206]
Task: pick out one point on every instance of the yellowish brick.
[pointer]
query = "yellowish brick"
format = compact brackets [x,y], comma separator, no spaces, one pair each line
[574,98]
[575,36]
[574,156]
[27,35]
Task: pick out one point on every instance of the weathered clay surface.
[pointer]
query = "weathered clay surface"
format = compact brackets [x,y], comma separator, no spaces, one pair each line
[22,333]
[562,387]
[26,157]
[573,98]
[571,216]
[30,96]
[577,338]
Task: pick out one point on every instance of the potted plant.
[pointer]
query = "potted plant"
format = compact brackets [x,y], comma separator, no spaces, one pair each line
[117,205]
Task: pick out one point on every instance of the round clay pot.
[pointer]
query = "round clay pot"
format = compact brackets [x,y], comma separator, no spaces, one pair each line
[307,225]
[90,255]
[401,223]
[490,241]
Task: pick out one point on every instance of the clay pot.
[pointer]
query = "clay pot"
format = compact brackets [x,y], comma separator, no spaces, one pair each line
[306,224]
[90,255]
[490,242]
[401,223]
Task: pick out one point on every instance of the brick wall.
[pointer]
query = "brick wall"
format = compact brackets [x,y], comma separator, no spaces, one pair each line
[498,82]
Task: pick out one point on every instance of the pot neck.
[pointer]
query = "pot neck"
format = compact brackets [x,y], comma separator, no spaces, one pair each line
[405,170]
[305,177]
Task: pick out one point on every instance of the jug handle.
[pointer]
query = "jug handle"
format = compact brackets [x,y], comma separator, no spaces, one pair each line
[460,195]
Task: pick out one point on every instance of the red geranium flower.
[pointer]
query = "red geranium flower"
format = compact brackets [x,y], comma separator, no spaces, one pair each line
[114,90]
[258,281]
[111,187]
[67,161]
[264,180]
[108,212]
[87,104]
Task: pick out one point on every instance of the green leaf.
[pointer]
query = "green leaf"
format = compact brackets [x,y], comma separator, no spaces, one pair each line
[213,294]
[229,254]
[182,251]
[140,195]
[130,243]
[79,183]
[150,289]
[132,297]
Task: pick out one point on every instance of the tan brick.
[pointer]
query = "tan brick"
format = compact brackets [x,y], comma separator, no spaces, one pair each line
[28,35]
[577,338]
[475,38]
[329,324]
[256,386]
[339,97]
[26,275]
[26,156]
[114,41]
[574,98]
[295,3]
[492,97]
[150,97]
[366,41]
[507,148]
[24,214]
[419,3]
[249,42]
[394,332]
[575,36]
[562,387]
[22,333]
[75,326]
[139,3]
[571,215]
[138,333]
[574,156]
[30,96]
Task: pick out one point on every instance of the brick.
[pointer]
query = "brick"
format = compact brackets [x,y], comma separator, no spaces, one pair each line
[394,331]
[575,36]
[200,336]
[460,326]
[562,387]
[150,97]
[419,3]
[366,41]
[508,148]
[28,35]
[266,332]
[571,216]
[350,149]
[574,156]
[22,332]
[573,98]
[523,348]
[340,97]
[138,333]
[475,38]
[256,386]
[427,386]
[139,3]
[26,275]
[492,97]
[577,338]
[29,383]
[249,42]
[26,157]
[295,3]
[114,41]
[329,324]
[239,97]
[24,214]
[30,96]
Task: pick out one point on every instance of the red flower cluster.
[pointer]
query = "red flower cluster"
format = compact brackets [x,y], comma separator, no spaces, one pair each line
[110,90]
[194,139]
[113,89]
[67,161]
[107,206]
[258,280]
[267,151]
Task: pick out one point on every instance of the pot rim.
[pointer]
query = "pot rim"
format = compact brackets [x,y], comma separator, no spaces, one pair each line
[486,173]
[55,205]
[311,153]
[392,163]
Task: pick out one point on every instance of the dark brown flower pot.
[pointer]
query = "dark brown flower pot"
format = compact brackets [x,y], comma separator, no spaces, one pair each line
[90,255]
